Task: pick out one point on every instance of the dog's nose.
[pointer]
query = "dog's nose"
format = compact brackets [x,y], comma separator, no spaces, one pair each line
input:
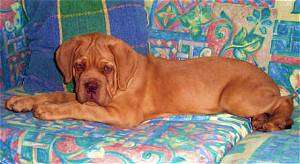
[91,86]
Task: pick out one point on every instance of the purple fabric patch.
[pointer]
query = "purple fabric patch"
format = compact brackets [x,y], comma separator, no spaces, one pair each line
[43,33]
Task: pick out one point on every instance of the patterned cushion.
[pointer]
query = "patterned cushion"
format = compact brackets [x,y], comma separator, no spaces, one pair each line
[275,147]
[189,138]
[14,50]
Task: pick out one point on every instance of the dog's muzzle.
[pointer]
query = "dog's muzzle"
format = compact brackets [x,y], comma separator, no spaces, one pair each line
[91,89]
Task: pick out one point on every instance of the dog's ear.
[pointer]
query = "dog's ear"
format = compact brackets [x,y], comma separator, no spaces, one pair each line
[126,60]
[65,57]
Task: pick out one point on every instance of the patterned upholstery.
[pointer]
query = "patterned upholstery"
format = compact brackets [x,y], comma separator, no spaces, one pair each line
[14,50]
[276,147]
[173,139]
[262,32]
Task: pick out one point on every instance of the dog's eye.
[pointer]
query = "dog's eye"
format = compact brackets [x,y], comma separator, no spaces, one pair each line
[107,69]
[79,67]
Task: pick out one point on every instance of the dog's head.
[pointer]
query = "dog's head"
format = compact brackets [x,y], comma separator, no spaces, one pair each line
[100,65]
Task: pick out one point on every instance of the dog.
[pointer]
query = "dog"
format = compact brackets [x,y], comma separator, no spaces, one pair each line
[117,86]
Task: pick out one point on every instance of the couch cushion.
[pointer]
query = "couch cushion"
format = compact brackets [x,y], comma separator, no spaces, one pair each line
[190,138]
[276,147]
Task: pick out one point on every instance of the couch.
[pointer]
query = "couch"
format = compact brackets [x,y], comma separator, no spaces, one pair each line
[264,33]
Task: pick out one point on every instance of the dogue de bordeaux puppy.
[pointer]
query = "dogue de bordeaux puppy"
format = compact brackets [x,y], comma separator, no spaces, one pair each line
[117,86]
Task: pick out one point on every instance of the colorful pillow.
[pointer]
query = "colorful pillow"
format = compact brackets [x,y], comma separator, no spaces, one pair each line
[14,50]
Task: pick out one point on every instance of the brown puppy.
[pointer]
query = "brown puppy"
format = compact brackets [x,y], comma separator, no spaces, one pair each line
[117,86]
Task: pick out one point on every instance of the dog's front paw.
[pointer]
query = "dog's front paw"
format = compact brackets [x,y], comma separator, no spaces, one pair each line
[48,111]
[44,111]
[20,103]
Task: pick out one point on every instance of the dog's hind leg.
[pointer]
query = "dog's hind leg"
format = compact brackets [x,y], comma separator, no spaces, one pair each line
[277,118]
[262,102]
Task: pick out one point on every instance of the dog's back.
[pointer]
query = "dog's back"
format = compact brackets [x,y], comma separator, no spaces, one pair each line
[198,84]
[211,85]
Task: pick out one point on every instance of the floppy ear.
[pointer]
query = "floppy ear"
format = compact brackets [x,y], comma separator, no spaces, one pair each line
[65,57]
[126,60]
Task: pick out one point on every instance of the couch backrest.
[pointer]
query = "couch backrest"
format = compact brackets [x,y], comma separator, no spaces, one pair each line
[264,33]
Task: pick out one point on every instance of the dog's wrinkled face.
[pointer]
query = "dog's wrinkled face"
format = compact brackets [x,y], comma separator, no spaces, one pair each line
[94,74]
[100,65]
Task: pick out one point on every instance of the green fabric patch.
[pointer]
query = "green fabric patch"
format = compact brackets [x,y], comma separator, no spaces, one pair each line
[81,17]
